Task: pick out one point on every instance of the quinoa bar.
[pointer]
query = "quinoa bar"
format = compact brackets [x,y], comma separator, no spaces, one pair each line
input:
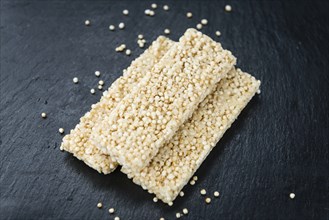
[78,142]
[154,110]
[177,161]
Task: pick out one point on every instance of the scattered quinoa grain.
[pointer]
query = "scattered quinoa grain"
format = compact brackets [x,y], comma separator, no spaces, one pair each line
[92,91]
[87,22]
[121,25]
[192,182]
[147,11]
[178,215]
[120,48]
[167,31]
[195,178]
[185,211]
[75,80]
[199,26]
[155,199]
[292,195]
[216,193]
[189,15]
[154,6]
[125,12]
[101,82]
[128,52]
[152,13]
[258,91]
[166,7]
[140,36]
[43,115]
[181,193]
[61,130]
[97,73]
[208,200]
[112,27]
[170,203]
[218,33]
[100,87]
[99,205]
[111,210]
[116,218]
[228,8]
[161,218]
[204,21]
[203,192]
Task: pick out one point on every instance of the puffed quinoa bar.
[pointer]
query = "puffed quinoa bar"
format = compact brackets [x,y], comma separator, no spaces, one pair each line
[151,114]
[176,162]
[77,142]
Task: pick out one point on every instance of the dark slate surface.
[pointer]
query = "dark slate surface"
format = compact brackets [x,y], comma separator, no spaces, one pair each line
[278,145]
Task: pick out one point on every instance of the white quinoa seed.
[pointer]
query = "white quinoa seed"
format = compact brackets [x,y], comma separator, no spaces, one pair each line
[152,13]
[166,7]
[100,87]
[258,91]
[97,73]
[161,218]
[181,193]
[217,33]
[189,15]
[185,211]
[228,8]
[128,52]
[216,193]
[116,218]
[178,215]
[75,80]
[170,203]
[125,12]
[155,199]
[101,82]
[167,31]
[140,36]
[92,91]
[61,130]
[112,27]
[199,26]
[195,178]
[192,182]
[147,11]
[111,210]
[208,200]
[292,195]
[204,21]
[121,25]
[203,192]
[120,48]
[87,22]
[154,6]
[43,115]
[99,205]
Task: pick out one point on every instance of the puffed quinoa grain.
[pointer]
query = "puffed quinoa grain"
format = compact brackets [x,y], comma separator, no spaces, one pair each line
[152,113]
[177,161]
[78,142]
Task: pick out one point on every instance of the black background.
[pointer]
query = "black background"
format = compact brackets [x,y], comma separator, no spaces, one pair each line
[278,145]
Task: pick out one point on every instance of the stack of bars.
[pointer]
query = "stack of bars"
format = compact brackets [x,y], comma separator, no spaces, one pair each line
[161,119]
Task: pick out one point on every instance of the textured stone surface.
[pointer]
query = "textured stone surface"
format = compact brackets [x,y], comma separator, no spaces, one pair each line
[278,145]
